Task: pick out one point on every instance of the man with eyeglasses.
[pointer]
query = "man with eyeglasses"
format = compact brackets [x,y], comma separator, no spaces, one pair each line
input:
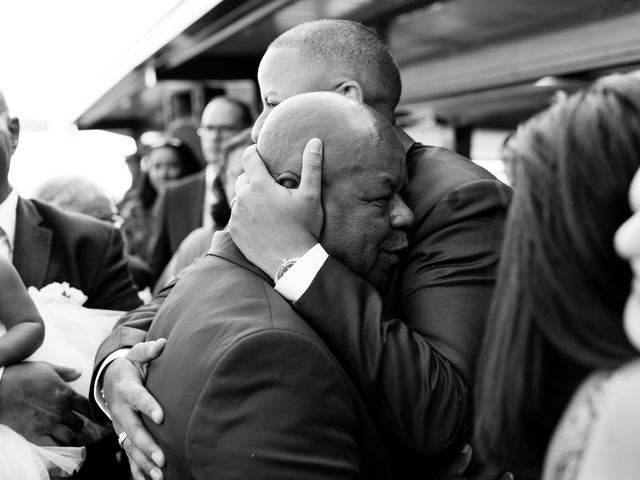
[185,205]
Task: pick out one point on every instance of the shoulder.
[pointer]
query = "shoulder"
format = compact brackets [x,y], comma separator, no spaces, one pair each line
[611,446]
[438,175]
[185,183]
[68,223]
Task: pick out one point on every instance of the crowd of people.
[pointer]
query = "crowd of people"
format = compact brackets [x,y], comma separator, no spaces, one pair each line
[332,299]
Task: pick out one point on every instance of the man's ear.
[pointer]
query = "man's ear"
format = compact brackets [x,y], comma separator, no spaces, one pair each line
[13,125]
[351,89]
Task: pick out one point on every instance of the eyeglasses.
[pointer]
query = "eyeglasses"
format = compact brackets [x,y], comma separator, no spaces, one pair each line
[223,130]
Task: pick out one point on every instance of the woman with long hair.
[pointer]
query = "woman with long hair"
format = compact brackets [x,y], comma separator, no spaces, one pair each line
[556,315]
[166,161]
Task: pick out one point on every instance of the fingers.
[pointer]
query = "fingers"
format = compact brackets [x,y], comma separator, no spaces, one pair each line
[72,421]
[145,352]
[140,446]
[136,471]
[66,373]
[63,436]
[253,165]
[129,421]
[139,398]
[139,463]
[462,461]
[312,167]
[80,404]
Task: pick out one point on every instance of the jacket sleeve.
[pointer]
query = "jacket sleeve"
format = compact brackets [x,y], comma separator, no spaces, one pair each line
[274,407]
[414,371]
[130,329]
[113,288]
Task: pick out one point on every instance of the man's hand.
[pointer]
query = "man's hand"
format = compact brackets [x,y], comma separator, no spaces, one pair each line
[127,398]
[270,223]
[458,469]
[37,403]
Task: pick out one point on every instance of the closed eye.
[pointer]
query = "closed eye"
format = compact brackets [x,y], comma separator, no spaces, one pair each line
[288,180]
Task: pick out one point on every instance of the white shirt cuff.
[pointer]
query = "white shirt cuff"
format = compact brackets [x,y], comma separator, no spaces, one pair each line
[297,279]
[97,387]
[1,372]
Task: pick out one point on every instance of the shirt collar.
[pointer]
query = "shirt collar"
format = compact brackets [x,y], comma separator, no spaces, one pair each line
[209,176]
[8,213]
[405,139]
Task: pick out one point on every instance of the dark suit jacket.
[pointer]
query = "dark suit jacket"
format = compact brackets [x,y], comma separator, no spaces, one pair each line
[56,246]
[413,363]
[249,390]
[178,212]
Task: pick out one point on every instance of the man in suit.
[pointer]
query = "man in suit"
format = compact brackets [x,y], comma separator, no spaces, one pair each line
[185,205]
[412,361]
[260,395]
[48,245]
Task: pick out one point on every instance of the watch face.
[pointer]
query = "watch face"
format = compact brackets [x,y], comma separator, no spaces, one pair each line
[284,267]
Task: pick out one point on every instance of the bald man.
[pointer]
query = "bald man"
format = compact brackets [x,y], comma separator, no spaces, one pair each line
[410,352]
[249,389]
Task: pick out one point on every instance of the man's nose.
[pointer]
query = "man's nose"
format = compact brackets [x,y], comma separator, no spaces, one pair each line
[401,216]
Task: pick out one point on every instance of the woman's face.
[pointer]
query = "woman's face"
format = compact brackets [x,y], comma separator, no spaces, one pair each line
[627,243]
[164,166]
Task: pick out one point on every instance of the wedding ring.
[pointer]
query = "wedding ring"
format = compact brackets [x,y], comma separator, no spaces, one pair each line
[121,438]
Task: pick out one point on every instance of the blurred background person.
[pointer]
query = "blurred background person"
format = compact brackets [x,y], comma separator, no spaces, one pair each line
[197,243]
[166,161]
[81,195]
[186,205]
[77,194]
[556,315]
[134,165]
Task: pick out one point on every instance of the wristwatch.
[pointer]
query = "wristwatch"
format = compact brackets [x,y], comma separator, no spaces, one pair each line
[286,264]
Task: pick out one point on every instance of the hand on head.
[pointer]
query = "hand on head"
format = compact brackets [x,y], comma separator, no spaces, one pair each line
[270,222]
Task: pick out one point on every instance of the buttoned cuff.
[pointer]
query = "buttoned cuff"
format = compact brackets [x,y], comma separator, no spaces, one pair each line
[97,387]
[297,279]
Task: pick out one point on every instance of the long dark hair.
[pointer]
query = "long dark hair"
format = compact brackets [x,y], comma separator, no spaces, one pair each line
[556,314]
[188,160]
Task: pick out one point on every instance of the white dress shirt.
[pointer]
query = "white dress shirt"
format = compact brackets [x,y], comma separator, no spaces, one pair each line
[210,197]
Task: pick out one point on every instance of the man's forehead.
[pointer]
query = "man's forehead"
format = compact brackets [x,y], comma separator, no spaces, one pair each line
[220,111]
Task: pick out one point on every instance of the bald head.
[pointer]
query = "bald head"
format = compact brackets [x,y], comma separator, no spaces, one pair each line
[362,173]
[354,134]
[9,136]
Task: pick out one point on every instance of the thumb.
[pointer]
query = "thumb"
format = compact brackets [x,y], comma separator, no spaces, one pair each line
[311,177]
[67,374]
[253,165]
[146,351]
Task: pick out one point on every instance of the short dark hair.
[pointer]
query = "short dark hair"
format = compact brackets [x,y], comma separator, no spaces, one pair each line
[349,44]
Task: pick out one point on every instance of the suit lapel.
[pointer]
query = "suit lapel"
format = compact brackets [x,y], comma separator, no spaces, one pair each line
[32,245]
[187,208]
